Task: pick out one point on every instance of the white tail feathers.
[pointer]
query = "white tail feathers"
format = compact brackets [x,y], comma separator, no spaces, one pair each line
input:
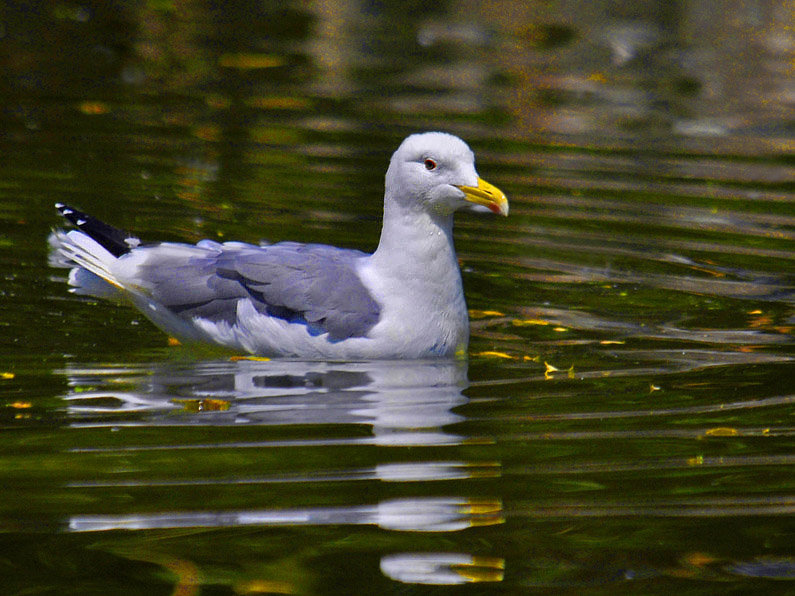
[79,251]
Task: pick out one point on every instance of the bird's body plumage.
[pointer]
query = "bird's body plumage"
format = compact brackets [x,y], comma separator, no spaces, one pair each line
[307,300]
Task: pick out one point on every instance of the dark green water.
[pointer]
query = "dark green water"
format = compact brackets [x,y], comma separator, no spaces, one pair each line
[624,424]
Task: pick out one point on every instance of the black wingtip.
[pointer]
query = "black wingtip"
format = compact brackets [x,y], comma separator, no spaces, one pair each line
[116,241]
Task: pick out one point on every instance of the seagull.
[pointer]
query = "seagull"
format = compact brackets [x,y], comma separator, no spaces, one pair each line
[308,301]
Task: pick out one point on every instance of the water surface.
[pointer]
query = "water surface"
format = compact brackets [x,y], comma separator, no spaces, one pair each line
[624,421]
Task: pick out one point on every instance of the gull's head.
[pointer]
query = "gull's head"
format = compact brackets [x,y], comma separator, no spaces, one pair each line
[435,171]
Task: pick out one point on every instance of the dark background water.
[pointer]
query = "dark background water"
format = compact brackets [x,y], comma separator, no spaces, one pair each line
[624,422]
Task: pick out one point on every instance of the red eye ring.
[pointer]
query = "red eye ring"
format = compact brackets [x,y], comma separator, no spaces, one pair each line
[430,164]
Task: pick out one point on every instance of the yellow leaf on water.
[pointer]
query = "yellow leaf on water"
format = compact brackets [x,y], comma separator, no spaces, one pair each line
[93,108]
[20,405]
[481,314]
[722,431]
[264,586]
[188,405]
[254,358]
[560,329]
[203,405]
[493,354]
[173,341]
[523,322]
[549,370]
[7,376]
[695,461]
[214,405]
[698,559]
[610,342]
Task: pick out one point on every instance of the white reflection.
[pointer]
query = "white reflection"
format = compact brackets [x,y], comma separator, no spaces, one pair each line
[404,402]
[425,471]
[630,39]
[407,515]
[442,569]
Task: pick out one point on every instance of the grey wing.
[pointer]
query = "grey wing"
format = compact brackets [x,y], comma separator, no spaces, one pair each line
[311,284]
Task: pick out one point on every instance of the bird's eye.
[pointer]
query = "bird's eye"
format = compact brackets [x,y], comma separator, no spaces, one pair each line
[430,164]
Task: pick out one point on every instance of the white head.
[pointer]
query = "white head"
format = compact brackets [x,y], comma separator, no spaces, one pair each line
[435,172]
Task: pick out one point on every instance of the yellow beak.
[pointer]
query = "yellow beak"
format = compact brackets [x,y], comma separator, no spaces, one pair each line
[487,195]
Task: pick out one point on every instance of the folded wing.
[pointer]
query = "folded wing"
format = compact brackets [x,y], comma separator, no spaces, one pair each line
[308,284]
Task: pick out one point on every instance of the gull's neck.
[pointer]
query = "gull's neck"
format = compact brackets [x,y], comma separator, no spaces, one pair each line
[415,243]
[414,277]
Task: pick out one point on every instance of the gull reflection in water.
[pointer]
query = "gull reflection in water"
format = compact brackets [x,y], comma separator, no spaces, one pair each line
[403,402]
[442,514]
[446,569]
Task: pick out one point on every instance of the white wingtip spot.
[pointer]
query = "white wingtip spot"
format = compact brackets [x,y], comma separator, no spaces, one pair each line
[80,222]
